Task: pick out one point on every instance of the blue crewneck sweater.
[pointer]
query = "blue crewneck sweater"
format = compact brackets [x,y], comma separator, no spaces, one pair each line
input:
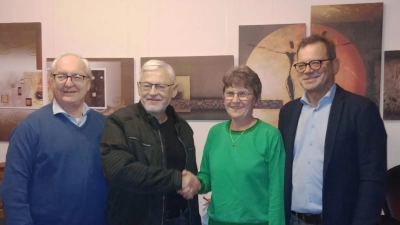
[53,171]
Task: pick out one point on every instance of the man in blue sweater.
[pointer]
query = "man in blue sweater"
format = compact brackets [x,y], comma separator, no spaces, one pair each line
[53,171]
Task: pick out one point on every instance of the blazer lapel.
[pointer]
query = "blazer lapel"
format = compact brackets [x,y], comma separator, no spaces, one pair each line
[294,119]
[333,124]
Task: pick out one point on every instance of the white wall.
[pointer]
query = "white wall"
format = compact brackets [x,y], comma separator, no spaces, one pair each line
[145,28]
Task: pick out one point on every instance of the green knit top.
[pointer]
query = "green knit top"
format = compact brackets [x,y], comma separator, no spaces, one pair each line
[244,171]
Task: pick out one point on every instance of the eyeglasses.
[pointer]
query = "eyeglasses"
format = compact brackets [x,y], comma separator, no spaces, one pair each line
[159,87]
[243,96]
[75,78]
[314,65]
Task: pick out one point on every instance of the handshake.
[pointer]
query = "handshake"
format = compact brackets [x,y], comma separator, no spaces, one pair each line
[190,185]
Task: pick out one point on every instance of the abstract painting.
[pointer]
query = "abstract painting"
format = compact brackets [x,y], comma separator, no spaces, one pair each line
[356,30]
[391,89]
[21,86]
[270,51]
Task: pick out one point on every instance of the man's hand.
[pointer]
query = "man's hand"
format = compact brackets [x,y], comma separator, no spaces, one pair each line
[190,185]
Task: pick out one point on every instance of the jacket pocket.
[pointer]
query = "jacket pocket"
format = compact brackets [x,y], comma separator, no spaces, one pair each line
[140,142]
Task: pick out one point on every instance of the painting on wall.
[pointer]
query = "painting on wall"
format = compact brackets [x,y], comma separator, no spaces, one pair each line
[183,93]
[21,90]
[96,96]
[112,86]
[356,30]
[21,86]
[391,89]
[270,51]
[10,118]
[199,80]
[20,46]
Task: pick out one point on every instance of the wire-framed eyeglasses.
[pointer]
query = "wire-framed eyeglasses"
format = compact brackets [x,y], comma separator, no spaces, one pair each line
[314,65]
[75,78]
[242,95]
[146,86]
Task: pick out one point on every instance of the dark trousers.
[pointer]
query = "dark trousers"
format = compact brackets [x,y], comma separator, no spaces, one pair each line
[296,221]
[183,219]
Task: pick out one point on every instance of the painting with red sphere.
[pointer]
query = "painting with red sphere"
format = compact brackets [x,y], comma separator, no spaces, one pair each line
[356,30]
[270,51]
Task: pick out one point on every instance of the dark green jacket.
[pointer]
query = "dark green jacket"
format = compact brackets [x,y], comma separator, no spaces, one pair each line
[134,164]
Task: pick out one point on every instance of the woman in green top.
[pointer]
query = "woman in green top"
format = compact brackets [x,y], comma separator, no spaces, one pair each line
[243,159]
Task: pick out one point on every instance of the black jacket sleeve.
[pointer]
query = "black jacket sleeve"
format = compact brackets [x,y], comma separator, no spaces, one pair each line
[124,167]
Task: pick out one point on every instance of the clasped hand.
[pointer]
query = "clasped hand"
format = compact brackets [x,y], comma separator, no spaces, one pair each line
[190,185]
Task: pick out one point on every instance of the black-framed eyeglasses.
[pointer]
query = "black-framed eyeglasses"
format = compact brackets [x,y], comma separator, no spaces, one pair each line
[146,86]
[314,65]
[242,95]
[75,78]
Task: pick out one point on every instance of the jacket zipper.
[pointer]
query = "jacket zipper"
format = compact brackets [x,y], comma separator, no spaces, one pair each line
[163,153]
[184,147]
[144,144]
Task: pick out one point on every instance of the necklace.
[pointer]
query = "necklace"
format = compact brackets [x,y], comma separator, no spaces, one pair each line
[240,135]
[234,141]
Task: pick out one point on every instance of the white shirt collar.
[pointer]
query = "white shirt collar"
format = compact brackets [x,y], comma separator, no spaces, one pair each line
[58,109]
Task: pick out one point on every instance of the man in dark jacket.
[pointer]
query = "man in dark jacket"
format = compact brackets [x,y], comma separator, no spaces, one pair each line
[149,157]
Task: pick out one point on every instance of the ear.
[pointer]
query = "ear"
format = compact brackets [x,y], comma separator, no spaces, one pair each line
[174,90]
[50,85]
[335,66]
[138,88]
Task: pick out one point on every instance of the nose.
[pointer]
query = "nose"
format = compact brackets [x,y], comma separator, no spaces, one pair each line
[69,82]
[235,97]
[153,90]
[308,69]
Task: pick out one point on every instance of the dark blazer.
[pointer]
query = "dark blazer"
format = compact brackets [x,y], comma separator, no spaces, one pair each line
[355,163]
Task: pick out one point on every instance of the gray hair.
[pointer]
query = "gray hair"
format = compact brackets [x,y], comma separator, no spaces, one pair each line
[154,64]
[85,61]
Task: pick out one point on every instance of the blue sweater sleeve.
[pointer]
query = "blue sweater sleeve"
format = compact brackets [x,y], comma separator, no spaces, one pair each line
[17,175]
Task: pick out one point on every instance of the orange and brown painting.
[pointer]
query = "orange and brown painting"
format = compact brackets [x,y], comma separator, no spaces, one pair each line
[391,89]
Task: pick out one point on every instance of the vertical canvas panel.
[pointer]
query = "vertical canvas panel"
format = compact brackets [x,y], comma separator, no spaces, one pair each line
[21,86]
[356,30]
[199,85]
[96,98]
[270,51]
[391,89]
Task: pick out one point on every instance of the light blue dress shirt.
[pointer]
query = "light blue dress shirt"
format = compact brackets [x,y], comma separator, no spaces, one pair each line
[77,121]
[308,162]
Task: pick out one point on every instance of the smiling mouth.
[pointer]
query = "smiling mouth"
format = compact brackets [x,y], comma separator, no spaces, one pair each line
[69,92]
[311,78]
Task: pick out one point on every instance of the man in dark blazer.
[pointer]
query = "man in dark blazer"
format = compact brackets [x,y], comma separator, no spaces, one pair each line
[335,145]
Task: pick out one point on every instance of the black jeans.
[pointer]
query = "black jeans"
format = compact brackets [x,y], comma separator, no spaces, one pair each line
[183,219]
[296,221]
